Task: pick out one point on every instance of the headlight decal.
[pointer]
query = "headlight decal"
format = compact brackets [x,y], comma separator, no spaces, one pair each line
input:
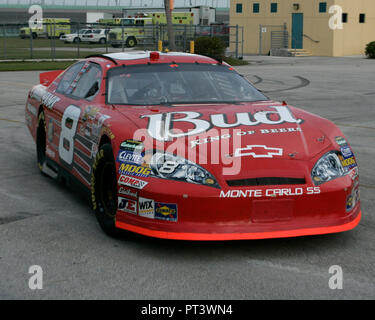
[172,167]
[327,168]
[335,164]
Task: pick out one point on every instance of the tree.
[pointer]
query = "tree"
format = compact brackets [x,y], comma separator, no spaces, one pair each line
[170,31]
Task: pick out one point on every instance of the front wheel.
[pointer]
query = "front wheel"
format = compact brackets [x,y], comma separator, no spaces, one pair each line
[41,142]
[104,190]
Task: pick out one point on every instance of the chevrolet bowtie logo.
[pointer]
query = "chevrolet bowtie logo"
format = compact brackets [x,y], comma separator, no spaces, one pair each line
[258,151]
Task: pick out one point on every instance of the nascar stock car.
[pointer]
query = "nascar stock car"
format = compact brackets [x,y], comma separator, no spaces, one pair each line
[180,146]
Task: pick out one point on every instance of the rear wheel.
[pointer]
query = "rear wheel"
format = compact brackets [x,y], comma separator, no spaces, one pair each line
[104,190]
[34,35]
[76,40]
[102,41]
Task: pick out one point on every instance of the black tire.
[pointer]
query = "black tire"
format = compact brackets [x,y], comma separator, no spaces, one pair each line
[41,142]
[102,41]
[76,40]
[104,190]
[34,35]
[131,42]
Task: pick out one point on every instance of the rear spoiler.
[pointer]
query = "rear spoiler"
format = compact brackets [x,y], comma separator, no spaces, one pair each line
[46,78]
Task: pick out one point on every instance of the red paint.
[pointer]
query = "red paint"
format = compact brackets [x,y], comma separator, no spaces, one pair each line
[203,214]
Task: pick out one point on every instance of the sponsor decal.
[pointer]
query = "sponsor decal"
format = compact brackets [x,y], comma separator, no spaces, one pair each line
[347,160]
[354,173]
[92,124]
[132,145]
[127,205]
[348,163]
[132,182]
[161,126]
[279,192]
[90,113]
[146,208]
[134,170]
[166,211]
[341,141]
[353,198]
[258,151]
[49,100]
[349,202]
[129,157]
[194,143]
[346,152]
[127,192]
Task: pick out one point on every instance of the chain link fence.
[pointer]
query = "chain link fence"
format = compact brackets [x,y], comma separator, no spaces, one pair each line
[77,40]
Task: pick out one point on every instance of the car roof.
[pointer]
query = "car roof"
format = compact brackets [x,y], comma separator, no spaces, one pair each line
[139,57]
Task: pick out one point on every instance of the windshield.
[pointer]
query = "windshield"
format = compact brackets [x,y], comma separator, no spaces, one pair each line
[156,84]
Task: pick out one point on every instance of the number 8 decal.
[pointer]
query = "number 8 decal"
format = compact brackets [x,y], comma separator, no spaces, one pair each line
[69,124]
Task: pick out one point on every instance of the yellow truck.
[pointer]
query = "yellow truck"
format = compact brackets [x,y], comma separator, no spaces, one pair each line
[135,29]
[130,30]
[50,28]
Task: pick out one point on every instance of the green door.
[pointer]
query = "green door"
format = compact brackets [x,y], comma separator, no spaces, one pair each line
[297,30]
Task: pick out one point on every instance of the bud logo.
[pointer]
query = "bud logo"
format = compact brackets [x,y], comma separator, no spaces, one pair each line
[160,126]
[132,182]
[146,208]
[258,151]
[127,205]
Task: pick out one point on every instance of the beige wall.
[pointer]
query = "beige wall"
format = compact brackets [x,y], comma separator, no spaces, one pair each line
[352,39]
[349,41]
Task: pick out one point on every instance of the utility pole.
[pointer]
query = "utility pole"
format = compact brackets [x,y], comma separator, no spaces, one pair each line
[168,5]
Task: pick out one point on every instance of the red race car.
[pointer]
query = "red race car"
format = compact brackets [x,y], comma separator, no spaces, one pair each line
[180,146]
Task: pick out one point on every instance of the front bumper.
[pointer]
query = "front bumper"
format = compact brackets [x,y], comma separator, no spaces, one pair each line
[207,216]
[353,222]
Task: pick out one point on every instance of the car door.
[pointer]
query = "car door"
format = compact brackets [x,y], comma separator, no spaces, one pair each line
[73,119]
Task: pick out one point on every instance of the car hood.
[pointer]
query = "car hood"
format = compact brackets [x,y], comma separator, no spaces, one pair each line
[258,131]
